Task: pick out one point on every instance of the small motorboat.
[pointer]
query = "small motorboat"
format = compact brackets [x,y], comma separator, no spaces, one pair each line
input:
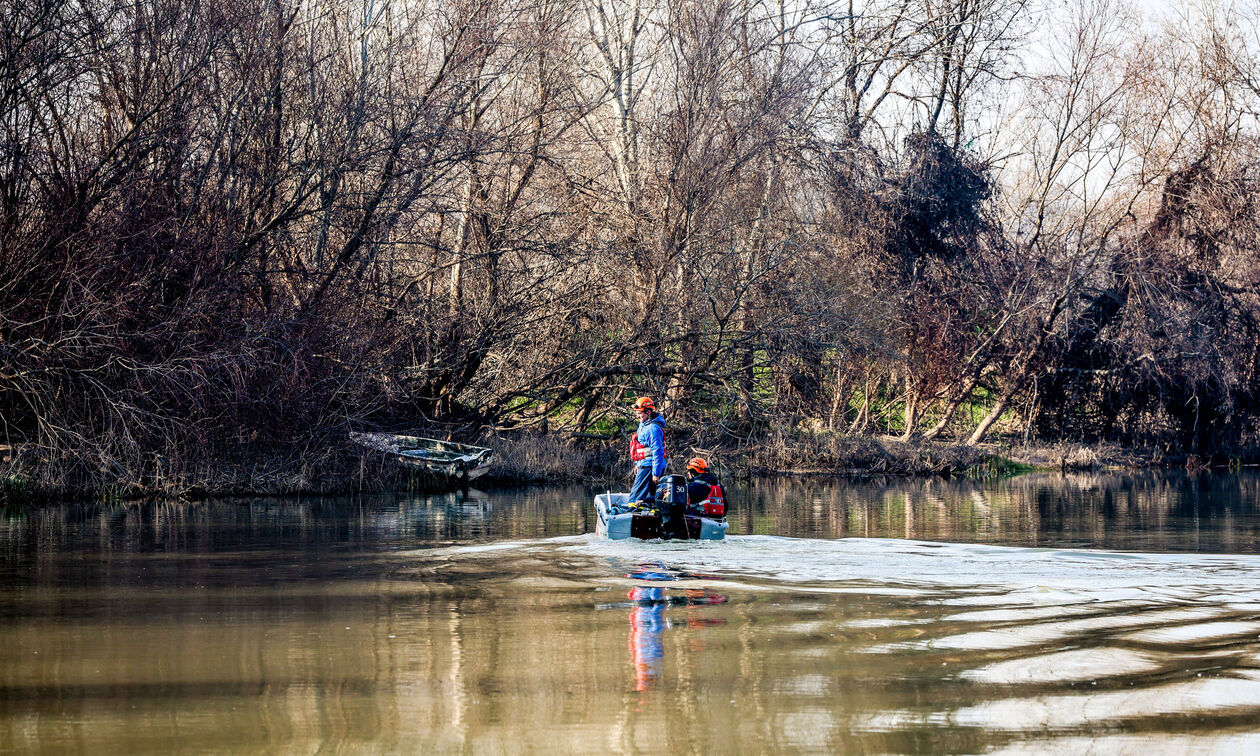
[441,458]
[669,517]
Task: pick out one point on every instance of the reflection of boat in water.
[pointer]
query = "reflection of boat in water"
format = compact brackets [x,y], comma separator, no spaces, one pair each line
[441,458]
[647,622]
[647,625]
[669,517]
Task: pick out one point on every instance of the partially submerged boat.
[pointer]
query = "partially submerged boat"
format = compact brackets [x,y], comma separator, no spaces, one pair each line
[669,517]
[440,458]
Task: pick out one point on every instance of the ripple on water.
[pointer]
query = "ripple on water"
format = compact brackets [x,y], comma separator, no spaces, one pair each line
[1124,745]
[1043,576]
[1064,666]
[1044,632]
[1217,695]
[1183,634]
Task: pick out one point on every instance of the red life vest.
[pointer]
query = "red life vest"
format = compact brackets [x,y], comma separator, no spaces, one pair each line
[715,504]
[639,452]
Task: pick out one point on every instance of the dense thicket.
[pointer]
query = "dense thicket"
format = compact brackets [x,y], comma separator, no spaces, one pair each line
[233,229]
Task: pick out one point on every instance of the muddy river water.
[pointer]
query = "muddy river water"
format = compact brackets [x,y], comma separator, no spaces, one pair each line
[1100,613]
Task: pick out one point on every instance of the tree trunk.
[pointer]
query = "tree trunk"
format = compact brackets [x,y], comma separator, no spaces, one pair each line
[952,407]
[912,409]
[993,415]
[457,253]
[838,403]
[863,419]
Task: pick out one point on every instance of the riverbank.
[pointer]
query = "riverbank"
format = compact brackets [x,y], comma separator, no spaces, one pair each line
[539,459]
[535,458]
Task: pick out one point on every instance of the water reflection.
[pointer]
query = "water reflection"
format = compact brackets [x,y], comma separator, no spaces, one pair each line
[1146,511]
[647,623]
[1154,511]
[801,646]
[464,623]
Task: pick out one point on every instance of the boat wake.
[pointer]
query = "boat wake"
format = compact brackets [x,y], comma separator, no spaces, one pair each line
[957,573]
[936,565]
[1039,645]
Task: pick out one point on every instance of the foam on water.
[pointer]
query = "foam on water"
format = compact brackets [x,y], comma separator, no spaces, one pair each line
[1046,576]
[1125,744]
[1063,666]
[986,583]
[1026,635]
[1182,634]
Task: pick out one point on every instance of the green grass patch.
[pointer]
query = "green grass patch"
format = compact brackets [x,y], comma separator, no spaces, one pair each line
[16,495]
[998,466]
[520,403]
[607,426]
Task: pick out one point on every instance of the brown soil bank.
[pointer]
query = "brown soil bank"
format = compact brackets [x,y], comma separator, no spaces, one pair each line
[541,459]
[530,459]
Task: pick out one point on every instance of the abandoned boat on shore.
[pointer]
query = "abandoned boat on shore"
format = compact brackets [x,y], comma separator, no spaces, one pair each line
[669,517]
[459,462]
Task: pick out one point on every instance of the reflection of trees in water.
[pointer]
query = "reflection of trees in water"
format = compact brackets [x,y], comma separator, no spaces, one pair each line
[301,522]
[517,513]
[1092,509]
[1159,510]
[209,526]
[1150,510]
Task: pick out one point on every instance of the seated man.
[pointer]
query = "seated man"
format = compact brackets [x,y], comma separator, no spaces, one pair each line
[705,494]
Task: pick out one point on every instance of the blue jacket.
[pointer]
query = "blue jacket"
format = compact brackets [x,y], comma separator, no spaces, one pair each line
[651,434]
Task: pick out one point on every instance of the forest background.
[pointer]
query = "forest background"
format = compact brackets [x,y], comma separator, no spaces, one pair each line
[232,232]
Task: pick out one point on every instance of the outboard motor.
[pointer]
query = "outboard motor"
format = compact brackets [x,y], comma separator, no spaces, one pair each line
[671,500]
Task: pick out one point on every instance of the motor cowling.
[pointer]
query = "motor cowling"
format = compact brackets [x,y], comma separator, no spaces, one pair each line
[671,500]
[670,490]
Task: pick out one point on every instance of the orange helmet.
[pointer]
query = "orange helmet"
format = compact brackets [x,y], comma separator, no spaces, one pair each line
[698,465]
[644,403]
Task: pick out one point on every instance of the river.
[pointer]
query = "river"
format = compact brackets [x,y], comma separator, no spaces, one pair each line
[1108,613]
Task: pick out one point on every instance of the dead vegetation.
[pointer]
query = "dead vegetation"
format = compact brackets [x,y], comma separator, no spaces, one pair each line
[232,232]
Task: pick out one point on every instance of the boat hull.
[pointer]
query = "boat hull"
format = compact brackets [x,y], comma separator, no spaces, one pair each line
[442,459]
[614,524]
[465,469]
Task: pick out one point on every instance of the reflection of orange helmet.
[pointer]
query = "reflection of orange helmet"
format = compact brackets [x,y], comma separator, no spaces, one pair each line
[644,403]
[697,465]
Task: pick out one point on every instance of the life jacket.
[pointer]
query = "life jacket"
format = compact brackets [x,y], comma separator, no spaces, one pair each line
[639,452]
[715,503]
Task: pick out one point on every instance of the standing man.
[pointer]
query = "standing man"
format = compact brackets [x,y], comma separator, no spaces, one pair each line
[647,451]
